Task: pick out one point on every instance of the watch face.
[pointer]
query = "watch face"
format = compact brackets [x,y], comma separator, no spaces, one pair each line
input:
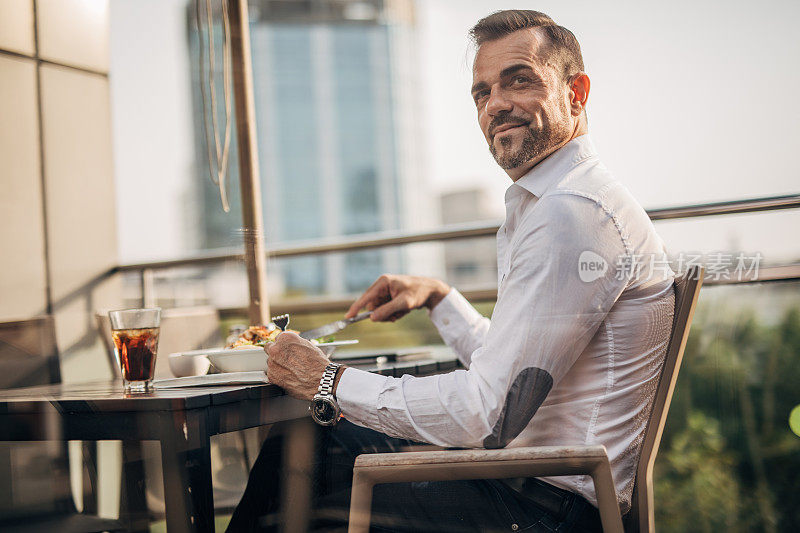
[324,411]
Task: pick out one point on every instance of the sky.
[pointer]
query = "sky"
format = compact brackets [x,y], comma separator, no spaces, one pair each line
[691,102]
[696,87]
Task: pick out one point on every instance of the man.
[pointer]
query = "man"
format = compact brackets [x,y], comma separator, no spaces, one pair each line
[573,349]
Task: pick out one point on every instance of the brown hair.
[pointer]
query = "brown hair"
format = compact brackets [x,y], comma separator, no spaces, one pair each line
[564,47]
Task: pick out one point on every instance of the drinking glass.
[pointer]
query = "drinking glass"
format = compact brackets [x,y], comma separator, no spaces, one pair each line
[135,333]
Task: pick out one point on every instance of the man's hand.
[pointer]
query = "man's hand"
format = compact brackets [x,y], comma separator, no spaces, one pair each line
[393,296]
[295,365]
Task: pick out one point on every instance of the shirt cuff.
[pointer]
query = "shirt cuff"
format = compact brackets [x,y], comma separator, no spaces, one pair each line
[357,395]
[453,317]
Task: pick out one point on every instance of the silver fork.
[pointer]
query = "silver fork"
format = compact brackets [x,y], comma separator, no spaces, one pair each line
[281,321]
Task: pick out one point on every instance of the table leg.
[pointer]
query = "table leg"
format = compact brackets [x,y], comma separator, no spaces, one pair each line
[186,464]
[6,488]
[133,504]
[89,470]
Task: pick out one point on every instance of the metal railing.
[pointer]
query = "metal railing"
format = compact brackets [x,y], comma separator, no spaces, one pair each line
[352,243]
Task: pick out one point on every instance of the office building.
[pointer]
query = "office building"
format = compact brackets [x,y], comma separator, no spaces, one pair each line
[334,89]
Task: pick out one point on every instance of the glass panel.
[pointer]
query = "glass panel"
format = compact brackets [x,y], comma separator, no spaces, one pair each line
[727,455]
[154,130]
[728,459]
[326,102]
[339,125]
[761,233]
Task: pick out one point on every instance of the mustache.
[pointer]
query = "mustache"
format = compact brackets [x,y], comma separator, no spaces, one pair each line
[502,120]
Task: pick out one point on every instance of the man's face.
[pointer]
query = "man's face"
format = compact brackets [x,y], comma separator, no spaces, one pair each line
[522,100]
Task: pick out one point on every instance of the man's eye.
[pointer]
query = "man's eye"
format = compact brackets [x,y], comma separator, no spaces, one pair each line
[480,96]
[519,80]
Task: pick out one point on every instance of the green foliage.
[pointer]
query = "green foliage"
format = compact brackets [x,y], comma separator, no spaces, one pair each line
[696,488]
[729,461]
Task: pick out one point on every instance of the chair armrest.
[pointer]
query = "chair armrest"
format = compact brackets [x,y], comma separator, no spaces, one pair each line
[440,457]
[420,448]
[448,465]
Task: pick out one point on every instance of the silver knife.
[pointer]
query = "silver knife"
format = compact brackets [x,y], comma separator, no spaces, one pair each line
[333,327]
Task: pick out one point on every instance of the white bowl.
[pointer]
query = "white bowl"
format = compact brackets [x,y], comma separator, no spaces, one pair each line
[238,360]
[182,365]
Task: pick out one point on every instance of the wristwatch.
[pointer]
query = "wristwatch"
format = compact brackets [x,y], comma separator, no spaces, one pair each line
[324,409]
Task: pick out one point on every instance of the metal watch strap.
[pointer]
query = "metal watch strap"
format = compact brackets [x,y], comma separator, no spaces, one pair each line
[328,378]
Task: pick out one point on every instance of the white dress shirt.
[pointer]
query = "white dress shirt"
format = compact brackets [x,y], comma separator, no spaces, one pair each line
[573,350]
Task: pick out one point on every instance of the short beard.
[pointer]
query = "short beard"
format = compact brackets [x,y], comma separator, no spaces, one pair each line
[534,145]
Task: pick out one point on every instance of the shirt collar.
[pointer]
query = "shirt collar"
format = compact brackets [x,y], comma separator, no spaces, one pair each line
[542,176]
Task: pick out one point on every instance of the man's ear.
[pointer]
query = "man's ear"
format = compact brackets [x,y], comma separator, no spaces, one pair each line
[579,86]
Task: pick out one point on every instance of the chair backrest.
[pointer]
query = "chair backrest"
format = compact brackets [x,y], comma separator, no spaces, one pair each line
[28,353]
[182,329]
[687,289]
[34,478]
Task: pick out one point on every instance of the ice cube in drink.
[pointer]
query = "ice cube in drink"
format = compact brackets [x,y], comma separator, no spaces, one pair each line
[136,352]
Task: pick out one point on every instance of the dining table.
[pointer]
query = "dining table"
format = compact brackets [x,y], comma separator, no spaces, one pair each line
[182,420]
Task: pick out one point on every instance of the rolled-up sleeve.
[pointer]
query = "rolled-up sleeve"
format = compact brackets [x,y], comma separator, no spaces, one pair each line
[546,313]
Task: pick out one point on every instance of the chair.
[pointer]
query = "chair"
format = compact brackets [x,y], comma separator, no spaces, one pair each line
[31,502]
[372,469]
[28,353]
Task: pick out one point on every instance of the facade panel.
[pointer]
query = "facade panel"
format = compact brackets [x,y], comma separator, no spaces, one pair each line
[16,26]
[74,32]
[23,283]
[81,214]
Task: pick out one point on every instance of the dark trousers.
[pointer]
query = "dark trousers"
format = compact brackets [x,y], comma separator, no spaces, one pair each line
[457,506]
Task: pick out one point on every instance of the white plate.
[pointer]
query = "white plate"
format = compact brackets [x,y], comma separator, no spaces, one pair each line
[248,359]
[329,347]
